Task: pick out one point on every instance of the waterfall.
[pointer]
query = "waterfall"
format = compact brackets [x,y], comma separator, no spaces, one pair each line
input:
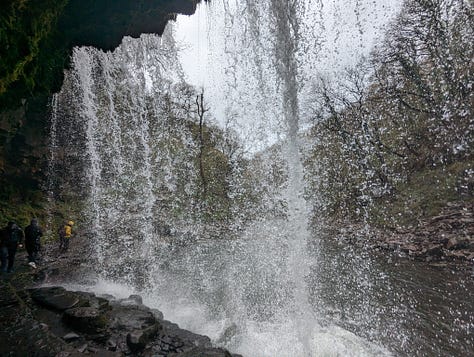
[107,104]
[237,263]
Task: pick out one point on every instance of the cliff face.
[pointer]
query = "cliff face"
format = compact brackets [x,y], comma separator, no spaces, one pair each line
[36,39]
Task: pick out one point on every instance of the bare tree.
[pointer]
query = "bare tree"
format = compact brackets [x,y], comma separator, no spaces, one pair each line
[200,111]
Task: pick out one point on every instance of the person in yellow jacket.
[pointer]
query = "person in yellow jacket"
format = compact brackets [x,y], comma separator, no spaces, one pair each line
[65,233]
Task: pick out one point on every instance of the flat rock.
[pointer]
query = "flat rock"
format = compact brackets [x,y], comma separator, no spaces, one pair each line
[203,352]
[129,318]
[56,298]
[85,319]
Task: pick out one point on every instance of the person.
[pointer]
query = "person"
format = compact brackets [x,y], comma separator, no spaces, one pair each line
[3,250]
[12,238]
[65,233]
[33,234]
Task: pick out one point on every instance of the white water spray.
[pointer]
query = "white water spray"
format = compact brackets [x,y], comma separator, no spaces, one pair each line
[250,291]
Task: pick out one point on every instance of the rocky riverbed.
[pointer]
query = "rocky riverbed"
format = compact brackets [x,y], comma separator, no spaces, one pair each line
[443,240]
[38,320]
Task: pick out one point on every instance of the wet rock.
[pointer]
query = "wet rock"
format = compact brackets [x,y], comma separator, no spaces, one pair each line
[71,337]
[138,339]
[128,318]
[187,338]
[85,319]
[203,352]
[455,243]
[132,300]
[157,313]
[56,298]
[452,243]
[228,333]
[111,344]
[90,300]
[83,348]
[458,254]
[137,298]
[435,251]
[107,297]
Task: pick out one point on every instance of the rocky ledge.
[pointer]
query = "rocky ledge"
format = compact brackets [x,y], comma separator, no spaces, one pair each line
[443,240]
[52,321]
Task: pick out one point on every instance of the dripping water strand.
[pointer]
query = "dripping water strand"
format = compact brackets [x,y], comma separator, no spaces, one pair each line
[285,15]
[51,170]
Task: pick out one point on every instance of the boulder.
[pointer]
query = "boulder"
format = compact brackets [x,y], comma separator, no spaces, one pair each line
[157,313]
[138,339]
[129,318]
[91,300]
[85,319]
[111,344]
[188,338]
[56,298]
[137,298]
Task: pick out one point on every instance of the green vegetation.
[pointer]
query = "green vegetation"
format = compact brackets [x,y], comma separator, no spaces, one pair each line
[31,59]
[395,134]
[36,38]
[424,196]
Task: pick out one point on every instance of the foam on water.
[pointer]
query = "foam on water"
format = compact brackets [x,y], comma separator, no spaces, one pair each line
[252,338]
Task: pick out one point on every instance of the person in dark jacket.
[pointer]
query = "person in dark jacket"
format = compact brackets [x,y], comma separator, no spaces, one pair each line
[3,250]
[33,234]
[11,240]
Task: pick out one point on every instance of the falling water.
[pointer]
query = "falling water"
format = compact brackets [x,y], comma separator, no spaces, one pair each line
[52,159]
[133,143]
[286,46]
[258,282]
[108,106]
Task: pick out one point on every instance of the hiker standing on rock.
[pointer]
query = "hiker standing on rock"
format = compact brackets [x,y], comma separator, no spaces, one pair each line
[33,234]
[65,233]
[11,239]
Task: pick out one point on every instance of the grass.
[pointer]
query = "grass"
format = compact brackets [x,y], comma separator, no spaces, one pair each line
[425,195]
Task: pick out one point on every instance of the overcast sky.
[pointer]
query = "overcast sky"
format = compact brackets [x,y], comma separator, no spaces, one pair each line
[344,29]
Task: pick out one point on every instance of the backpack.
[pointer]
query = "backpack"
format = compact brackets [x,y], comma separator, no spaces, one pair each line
[62,231]
[15,235]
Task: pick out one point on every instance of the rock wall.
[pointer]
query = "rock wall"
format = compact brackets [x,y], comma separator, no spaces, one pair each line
[36,39]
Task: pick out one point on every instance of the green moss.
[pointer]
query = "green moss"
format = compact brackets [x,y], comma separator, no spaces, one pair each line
[26,31]
[423,196]
[36,39]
